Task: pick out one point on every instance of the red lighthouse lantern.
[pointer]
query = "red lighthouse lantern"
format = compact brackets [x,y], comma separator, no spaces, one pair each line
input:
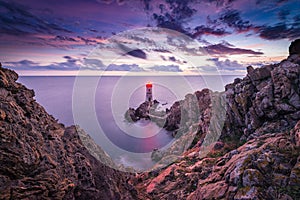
[149,91]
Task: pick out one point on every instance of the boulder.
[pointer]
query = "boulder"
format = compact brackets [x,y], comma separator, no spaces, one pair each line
[295,47]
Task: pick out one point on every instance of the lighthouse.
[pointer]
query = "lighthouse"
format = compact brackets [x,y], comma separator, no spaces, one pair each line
[149,92]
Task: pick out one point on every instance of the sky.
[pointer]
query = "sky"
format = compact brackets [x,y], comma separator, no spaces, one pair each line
[141,37]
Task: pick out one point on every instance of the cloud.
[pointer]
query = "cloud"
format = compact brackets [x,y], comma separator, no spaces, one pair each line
[166,68]
[272,2]
[64,38]
[69,64]
[175,60]
[283,14]
[22,65]
[224,49]
[203,69]
[119,2]
[138,53]
[72,64]
[280,31]
[87,41]
[161,50]
[171,14]
[227,65]
[233,20]
[24,22]
[205,30]
[93,64]
[124,67]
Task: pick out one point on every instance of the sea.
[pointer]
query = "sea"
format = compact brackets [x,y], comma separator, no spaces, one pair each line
[98,104]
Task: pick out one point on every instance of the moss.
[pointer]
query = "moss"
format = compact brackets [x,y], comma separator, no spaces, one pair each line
[190,162]
[242,142]
[215,154]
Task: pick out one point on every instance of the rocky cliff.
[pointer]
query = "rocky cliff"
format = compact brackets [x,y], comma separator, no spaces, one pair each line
[257,155]
[42,159]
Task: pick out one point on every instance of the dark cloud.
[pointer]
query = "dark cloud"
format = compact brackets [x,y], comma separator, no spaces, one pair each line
[17,20]
[205,30]
[171,14]
[220,3]
[64,38]
[280,31]
[282,14]
[166,68]
[87,41]
[272,2]
[233,20]
[119,2]
[221,49]
[173,59]
[138,53]
[163,58]
[161,50]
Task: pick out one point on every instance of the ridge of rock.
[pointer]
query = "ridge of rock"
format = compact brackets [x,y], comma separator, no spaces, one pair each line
[42,159]
[258,153]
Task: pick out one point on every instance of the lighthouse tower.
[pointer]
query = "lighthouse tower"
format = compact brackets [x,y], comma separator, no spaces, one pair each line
[149,92]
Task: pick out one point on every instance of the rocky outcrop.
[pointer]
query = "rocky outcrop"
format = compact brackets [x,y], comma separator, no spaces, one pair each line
[295,47]
[42,159]
[263,168]
[265,101]
[258,153]
[144,111]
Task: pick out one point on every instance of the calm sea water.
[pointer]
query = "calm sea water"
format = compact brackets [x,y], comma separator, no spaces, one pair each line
[98,106]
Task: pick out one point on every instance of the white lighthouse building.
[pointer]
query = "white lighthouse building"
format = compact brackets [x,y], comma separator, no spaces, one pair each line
[149,92]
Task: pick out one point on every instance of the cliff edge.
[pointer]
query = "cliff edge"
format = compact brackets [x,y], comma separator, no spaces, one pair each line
[42,159]
[257,155]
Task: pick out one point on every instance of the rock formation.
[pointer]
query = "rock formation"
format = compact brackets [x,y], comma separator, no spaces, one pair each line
[295,47]
[258,153]
[42,159]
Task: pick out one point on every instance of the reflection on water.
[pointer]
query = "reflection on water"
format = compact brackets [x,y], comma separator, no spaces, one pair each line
[113,96]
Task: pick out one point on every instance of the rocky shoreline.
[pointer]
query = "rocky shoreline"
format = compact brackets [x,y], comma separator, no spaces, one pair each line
[42,159]
[256,155]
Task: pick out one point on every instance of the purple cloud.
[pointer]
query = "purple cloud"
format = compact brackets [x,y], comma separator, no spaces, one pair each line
[124,67]
[69,64]
[166,68]
[17,20]
[280,31]
[138,53]
[227,65]
[223,49]
[205,30]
